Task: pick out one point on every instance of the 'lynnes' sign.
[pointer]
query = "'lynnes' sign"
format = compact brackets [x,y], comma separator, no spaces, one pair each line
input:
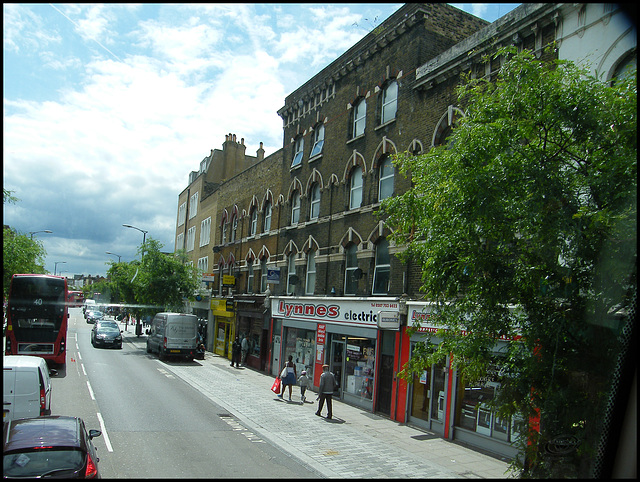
[361,313]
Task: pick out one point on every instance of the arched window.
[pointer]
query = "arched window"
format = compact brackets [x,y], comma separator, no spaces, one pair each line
[351,264]
[355,193]
[254,222]
[389,102]
[267,217]
[225,225]
[385,183]
[310,285]
[382,271]
[314,210]
[250,276]
[263,275]
[318,141]
[297,151]
[291,272]
[234,227]
[359,118]
[295,208]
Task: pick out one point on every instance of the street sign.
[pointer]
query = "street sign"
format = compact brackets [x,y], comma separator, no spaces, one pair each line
[228,280]
[208,277]
[388,320]
[273,276]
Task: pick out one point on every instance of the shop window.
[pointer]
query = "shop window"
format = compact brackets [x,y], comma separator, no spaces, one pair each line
[297,151]
[318,141]
[385,183]
[310,285]
[295,208]
[355,193]
[382,269]
[359,118]
[389,102]
[359,367]
[301,343]
[351,264]
[314,211]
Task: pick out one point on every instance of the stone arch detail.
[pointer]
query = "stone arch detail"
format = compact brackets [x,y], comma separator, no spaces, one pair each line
[355,160]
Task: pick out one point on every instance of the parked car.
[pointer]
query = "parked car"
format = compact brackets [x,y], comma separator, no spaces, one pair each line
[106,333]
[55,446]
[26,387]
[173,334]
[93,316]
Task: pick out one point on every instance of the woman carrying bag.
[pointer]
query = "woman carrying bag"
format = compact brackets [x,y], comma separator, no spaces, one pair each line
[288,376]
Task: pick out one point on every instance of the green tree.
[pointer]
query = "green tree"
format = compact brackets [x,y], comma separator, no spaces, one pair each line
[20,254]
[524,225]
[158,282]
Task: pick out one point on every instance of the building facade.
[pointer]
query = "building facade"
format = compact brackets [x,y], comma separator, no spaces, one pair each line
[301,263]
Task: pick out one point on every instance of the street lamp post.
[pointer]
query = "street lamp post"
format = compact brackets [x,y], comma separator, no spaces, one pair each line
[144,235]
[114,254]
[43,231]
[55,266]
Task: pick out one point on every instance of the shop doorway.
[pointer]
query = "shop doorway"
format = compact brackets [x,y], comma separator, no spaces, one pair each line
[385,381]
[223,338]
[335,363]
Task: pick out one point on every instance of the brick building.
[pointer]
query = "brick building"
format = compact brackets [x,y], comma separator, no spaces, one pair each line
[301,261]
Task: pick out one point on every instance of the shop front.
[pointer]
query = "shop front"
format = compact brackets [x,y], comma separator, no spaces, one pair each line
[253,324]
[439,400]
[342,333]
[224,326]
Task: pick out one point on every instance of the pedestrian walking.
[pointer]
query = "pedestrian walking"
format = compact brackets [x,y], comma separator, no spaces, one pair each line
[235,352]
[326,388]
[245,350]
[304,381]
[290,378]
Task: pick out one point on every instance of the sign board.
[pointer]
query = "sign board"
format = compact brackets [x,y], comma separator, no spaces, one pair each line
[273,275]
[208,277]
[228,280]
[388,320]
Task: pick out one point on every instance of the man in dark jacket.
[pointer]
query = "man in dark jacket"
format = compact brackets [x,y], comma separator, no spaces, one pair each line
[235,352]
[325,389]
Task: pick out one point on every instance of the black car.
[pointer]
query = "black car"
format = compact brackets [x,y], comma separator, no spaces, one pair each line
[95,315]
[106,333]
[55,446]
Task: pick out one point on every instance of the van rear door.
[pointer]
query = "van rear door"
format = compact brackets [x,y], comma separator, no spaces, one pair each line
[21,400]
[8,395]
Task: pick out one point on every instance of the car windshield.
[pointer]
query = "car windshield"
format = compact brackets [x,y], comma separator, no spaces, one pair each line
[108,329]
[40,462]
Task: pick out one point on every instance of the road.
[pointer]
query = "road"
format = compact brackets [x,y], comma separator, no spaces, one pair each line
[154,424]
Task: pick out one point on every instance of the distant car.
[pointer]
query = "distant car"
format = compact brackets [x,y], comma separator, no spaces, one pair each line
[106,333]
[93,316]
[54,446]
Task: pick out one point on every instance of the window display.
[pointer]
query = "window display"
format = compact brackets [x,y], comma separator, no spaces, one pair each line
[301,344]
[359,367]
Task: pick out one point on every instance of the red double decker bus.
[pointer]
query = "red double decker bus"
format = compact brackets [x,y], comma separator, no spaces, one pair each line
[37,316]
[76,298]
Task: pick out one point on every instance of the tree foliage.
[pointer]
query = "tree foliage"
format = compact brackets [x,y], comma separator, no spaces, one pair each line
[524,225]
[20,254]
[158,282]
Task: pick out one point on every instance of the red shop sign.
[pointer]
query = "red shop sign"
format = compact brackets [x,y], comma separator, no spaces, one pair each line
[322,329]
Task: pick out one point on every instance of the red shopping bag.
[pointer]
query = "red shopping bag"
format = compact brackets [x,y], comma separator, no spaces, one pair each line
[276,386]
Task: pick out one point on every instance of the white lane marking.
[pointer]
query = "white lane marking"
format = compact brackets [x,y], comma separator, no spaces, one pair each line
[83,370]
[165,373]
[79,356]
[104,433]
[90,391]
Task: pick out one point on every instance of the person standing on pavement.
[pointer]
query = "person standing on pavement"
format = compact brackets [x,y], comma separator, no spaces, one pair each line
[245,350]
[325,390]
[304,382]
[235,352]
[290,379]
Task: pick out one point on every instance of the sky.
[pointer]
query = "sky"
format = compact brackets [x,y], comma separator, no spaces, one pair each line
[109,107]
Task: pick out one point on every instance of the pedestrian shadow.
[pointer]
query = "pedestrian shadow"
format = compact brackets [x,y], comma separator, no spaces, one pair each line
[333,420]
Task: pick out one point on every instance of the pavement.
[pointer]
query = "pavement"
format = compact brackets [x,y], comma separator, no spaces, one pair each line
[354,443]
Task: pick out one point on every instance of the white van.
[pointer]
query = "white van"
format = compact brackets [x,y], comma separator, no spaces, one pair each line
[27,387]
[173,334]
[89,305]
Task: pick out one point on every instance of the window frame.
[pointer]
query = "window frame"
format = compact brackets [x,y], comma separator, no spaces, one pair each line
[359,118]
[385,179]
[381,269]
[250,276]
[263,275]
[388,103]
[295,208]
[314,202]
[298,151]
[353,189]
[351,254]
[266,222]
[291,271]
[318,142]
[310,275]
[254,222]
